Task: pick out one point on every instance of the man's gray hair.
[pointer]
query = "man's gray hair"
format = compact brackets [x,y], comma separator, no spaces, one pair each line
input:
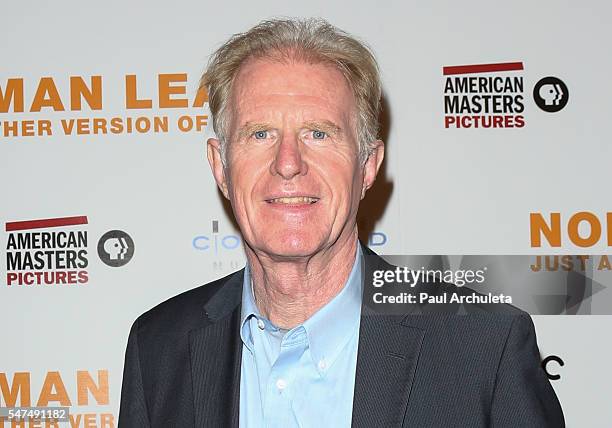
[311,40]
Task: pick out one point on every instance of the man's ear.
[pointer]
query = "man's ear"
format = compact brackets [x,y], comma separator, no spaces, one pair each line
[372,165]
[213,149]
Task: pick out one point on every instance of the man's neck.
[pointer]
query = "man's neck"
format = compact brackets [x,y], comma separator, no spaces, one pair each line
[288,293]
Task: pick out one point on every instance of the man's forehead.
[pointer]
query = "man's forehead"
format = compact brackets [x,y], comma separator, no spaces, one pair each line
[267,88]
[264,76]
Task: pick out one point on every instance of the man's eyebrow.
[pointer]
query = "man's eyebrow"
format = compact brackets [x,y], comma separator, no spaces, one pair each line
[249,128]
[324,125]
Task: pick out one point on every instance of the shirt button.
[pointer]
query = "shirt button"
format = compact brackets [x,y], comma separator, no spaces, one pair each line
[261,324]
[281,384]
[322,365]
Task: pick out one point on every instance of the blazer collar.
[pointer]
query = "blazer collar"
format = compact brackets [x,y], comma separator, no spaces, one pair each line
[387,358]
[388,352]
[215,354]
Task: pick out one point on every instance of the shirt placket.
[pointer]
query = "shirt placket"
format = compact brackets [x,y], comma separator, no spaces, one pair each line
[282,382]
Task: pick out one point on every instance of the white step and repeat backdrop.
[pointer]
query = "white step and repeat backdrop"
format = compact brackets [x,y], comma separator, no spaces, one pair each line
[496,124]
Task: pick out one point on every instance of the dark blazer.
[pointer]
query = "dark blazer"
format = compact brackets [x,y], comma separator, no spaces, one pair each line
[182,366]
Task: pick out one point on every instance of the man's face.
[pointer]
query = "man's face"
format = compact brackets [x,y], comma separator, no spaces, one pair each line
[293,174]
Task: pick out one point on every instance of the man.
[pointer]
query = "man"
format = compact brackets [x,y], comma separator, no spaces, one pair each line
[288,341]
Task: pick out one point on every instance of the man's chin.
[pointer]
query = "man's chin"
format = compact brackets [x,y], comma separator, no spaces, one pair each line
[291,247]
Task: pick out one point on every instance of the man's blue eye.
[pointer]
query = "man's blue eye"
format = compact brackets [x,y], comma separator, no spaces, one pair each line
[318,135]
[261,135]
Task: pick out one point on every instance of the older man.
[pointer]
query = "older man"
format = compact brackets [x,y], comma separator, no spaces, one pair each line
[288,341]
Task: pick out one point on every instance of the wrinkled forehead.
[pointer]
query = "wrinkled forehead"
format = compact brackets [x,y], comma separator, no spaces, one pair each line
[273,82]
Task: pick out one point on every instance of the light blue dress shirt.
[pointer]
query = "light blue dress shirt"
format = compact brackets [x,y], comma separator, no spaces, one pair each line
[303,377]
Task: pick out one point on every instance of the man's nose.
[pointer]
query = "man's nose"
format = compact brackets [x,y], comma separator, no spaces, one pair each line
[288,161]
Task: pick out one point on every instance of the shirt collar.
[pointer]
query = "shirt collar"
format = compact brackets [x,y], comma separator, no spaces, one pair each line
[248,310]
[329,329]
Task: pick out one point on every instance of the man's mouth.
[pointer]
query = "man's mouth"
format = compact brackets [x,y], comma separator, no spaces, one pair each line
[294,200]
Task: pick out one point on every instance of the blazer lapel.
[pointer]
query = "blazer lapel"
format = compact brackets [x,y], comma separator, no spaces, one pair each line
[386,365]
[387,359]
[216,352]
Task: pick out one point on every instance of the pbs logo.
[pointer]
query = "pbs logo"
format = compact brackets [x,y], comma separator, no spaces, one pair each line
[116,248]
[551,94]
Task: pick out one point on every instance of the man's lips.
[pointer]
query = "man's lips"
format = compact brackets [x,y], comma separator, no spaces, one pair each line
[293,200]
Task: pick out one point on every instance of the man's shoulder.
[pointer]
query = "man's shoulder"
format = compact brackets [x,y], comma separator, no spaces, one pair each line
[185,311]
